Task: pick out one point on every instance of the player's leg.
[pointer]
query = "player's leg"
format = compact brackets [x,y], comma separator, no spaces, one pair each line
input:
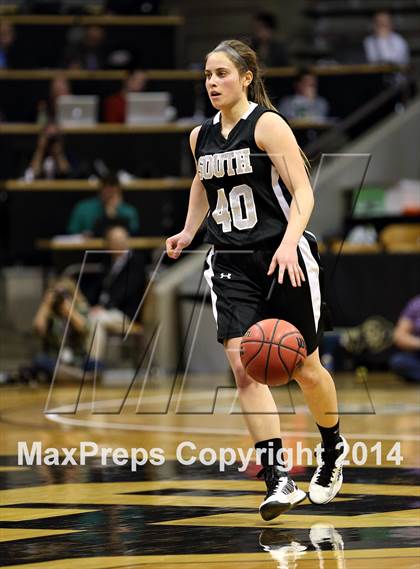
[303,306]
[261,416]
[315,381]
[236,301]
[320,394]
[318,388]
[257,403]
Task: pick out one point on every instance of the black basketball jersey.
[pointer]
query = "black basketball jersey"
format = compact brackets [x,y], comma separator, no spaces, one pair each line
[249,202]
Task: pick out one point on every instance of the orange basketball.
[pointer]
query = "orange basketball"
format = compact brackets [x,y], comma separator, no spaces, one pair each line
[271,350]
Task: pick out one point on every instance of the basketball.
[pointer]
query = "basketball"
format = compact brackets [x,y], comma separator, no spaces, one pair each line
[271,350]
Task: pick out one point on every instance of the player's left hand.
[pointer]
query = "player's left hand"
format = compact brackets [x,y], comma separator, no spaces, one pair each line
[287,259]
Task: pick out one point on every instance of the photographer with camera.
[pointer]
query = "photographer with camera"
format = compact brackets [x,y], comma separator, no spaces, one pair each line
[49,160]
[55,310]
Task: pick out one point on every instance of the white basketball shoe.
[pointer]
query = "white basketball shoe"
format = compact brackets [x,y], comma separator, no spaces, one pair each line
[282,492]
[328,478]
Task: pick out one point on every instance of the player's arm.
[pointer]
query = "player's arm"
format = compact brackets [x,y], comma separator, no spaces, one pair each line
[40,322]
[404,337]
[274,136]
[198,207]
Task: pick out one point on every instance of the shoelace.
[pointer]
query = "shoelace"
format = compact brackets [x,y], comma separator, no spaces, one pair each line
[272,476]
[326,471]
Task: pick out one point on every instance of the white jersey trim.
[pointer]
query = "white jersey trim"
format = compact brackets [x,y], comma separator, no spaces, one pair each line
[310,233]
[279,193]
[312,271]
[208,275]
[252,106]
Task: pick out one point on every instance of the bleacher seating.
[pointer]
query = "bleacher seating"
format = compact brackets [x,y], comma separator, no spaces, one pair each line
[335,28]
[401,238]
[136,33]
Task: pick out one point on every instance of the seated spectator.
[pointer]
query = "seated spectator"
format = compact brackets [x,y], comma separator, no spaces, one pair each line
[271,52]
[89,53]
[305,103]
[94,215]
[117,292]
[49,160]
[46,108]
[406,362]
[115,105]
[384,45]
[55,311]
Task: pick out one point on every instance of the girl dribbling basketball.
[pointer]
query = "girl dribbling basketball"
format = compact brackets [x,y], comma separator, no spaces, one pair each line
[253,186]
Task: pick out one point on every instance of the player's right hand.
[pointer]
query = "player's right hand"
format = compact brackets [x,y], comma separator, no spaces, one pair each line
[176,243]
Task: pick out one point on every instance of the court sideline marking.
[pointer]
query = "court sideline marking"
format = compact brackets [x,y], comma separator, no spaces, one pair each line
[55,417]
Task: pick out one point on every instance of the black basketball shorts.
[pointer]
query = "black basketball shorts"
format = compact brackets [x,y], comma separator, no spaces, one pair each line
[242,293]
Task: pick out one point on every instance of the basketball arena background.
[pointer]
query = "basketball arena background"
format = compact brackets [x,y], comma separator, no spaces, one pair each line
[113,452]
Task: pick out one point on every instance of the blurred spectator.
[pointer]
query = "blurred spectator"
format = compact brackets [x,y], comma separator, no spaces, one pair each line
[271,52]
[49,160]
[46,108]
[55,311]
[384,45]
[10,56]
[88,53]
[115,105]
[117,292]
[93,216]
[406,362]
[305,103]
[139,7]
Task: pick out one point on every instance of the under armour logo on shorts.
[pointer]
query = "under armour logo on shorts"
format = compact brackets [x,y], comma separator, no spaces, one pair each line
[225,275]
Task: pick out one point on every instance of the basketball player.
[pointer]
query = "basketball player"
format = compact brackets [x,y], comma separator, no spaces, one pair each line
[252,185]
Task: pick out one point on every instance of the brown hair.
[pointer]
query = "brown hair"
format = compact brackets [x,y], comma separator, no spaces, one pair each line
[245,59]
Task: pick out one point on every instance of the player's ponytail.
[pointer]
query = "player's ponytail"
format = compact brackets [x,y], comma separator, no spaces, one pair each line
[257,92]
[245,59]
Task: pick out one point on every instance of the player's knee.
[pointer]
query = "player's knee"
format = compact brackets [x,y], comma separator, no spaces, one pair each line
[242,379]
[308,376]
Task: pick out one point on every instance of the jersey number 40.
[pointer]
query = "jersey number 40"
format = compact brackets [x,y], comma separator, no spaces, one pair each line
[227,211]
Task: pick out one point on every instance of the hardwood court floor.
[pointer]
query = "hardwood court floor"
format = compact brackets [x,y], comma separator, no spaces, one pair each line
[173,515]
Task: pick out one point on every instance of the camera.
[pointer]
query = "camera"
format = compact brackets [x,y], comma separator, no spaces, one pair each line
[52,139]
[60,294]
